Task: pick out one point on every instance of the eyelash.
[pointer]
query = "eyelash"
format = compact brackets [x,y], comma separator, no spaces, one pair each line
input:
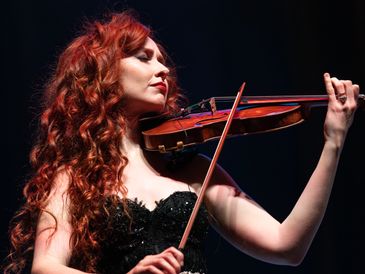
[143,58]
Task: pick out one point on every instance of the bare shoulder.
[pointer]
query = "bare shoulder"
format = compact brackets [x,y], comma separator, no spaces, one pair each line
[195,172]
[58,202]
[221,185]
[53,226]
[60,183]
[199,167]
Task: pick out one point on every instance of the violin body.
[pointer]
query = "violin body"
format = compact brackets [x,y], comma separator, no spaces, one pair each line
[255,115]
[198,128]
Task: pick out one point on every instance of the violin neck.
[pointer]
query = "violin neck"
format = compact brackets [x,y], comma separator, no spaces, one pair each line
[308,100]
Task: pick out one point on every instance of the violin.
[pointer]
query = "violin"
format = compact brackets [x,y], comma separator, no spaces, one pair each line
[203,121]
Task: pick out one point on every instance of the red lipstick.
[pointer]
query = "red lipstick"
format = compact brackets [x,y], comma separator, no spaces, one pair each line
[161,86]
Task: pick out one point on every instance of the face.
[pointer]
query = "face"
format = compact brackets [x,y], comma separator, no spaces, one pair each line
[143,79]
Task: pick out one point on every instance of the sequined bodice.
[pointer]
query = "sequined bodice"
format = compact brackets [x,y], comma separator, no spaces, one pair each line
[151,232]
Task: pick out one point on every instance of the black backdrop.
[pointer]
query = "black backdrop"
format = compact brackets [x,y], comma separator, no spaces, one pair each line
[277,47]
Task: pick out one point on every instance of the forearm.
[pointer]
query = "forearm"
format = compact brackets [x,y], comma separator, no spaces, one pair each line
[298,230]
[300,227]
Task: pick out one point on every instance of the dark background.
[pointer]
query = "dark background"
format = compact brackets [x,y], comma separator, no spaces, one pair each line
[277,47]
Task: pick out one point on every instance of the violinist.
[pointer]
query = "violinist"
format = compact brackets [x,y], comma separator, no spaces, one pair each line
[99,203]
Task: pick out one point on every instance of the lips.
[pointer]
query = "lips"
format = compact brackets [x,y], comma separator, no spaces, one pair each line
[161,86]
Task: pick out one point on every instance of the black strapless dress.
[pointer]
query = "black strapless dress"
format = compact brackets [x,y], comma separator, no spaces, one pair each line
[125,244]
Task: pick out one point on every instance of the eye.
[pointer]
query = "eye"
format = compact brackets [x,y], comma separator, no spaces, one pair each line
[143,57]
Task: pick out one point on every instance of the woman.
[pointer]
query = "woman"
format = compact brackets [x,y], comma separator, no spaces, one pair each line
[97,202]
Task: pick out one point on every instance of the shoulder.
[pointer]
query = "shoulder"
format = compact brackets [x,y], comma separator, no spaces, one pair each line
[53,226]
[200,164]
[61,180]
[221,184]
[59,188]
[55,210]
[57,203]
[195,170]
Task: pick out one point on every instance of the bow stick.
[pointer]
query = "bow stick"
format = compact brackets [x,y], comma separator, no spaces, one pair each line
[210,169]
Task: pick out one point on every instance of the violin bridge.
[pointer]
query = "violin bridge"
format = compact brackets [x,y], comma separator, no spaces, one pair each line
[213,106]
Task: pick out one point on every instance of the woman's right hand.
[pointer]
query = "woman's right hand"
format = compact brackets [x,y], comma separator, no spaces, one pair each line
[169,261]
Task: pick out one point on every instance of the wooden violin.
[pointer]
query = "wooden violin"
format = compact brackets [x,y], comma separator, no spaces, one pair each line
[202,122]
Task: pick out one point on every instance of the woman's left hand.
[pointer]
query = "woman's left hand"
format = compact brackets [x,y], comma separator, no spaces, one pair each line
[342,104]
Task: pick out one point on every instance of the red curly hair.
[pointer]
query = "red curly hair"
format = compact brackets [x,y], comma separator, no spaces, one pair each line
[81,128]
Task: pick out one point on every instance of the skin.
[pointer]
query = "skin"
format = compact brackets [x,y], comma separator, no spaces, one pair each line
[137,78]
[237,217]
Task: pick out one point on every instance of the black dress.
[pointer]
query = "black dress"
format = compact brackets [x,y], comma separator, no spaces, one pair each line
[125,243]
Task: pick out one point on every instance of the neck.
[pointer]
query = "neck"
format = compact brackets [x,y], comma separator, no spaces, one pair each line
[131,139]
[131,148]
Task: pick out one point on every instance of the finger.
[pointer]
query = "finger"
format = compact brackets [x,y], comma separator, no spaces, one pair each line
[177,254]
[172,261]
[152,269]
[349,90]
[356,90]
[329,87]
[348,85]
[339,86]
[164,265]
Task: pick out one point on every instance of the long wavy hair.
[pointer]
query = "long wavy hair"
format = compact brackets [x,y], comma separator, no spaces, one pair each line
[80,131]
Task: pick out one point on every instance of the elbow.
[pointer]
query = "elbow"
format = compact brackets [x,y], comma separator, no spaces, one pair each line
[293,256]
[285,253]
[291,250]
[294,261]
[281,256]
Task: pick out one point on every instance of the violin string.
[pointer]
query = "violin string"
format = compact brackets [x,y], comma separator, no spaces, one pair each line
[274,97]
[245,99]
[182,128]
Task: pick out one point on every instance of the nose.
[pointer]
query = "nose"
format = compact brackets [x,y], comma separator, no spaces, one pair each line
[162,71]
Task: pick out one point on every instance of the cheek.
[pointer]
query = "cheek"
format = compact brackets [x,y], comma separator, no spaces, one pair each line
[136,68]
[129,79]
[135,76]
[130,71]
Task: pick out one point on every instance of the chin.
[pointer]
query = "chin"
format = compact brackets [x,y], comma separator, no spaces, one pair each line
[159,103]
[156,107]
